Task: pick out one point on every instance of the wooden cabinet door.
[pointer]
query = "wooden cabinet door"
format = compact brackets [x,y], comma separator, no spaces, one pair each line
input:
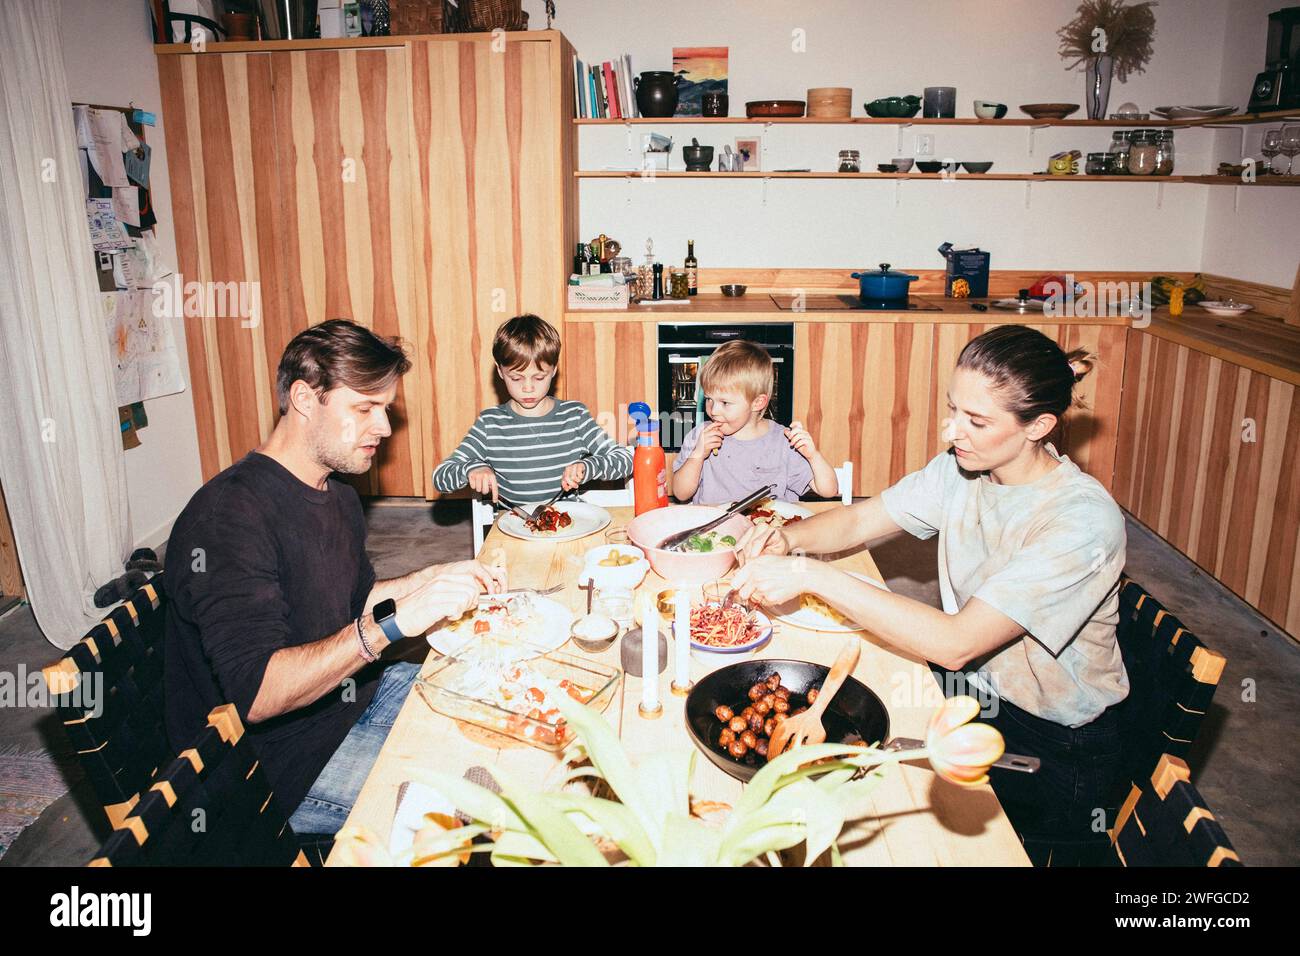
[488,192]
[345,187]
[290,179]
[860,390]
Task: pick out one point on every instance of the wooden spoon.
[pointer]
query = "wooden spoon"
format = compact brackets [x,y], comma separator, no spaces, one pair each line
[807,728]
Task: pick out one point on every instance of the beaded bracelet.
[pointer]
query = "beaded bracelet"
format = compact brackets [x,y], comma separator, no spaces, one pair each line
[366,653]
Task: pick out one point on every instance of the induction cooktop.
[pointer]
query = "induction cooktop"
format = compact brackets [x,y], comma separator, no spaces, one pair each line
[848,303]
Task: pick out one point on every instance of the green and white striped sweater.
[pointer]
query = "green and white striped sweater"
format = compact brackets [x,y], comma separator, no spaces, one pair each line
[529,455]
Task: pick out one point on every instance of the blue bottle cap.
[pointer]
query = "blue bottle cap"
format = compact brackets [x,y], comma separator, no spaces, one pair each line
[640,413]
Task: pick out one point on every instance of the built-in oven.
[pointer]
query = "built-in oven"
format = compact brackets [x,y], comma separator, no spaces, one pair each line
[682,350]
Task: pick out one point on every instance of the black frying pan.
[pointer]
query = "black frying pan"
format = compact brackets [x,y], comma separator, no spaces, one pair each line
[856,715]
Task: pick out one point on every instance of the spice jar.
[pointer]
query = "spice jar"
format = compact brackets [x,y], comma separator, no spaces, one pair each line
[1096,165]
[850,161]
[1142,154]
[1119,147]
[1164,152]
[679,286]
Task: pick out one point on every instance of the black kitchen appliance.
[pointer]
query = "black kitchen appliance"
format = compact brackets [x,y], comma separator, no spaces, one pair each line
[1278,87]
[683,347]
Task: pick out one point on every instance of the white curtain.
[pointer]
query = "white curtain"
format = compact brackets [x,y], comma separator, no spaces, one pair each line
[61,461]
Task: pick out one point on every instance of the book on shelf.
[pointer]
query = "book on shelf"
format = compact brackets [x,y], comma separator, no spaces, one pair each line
[604,90]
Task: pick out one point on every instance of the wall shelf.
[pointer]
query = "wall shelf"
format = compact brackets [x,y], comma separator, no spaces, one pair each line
[997,177]
[1240,119]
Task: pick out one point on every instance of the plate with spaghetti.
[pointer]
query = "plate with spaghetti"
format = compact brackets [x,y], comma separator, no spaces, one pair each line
[811,612]
[728,630]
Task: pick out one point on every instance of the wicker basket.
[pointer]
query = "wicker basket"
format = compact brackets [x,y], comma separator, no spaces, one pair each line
[414,17]
[484,16]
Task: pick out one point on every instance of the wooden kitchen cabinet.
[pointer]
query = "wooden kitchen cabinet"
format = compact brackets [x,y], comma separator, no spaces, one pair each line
[1209,459]
[418,186]
[876,394]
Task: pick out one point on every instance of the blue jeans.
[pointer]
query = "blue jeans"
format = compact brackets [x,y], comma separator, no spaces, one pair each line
[330,799]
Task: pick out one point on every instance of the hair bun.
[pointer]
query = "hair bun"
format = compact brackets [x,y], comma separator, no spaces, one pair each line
[1081,363]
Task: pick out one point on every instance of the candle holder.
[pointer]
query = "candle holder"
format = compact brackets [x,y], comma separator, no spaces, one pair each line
[680,690]
[655,714]
[630,652]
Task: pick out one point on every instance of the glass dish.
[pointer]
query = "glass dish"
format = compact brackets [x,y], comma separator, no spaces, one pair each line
[442,687]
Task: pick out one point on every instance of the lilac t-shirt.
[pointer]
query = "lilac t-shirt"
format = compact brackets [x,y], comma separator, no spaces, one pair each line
[740,467]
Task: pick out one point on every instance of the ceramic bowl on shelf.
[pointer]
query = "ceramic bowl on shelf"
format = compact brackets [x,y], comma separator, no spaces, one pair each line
[904,163]
[929,165]
[977,167]
[887,168]
[1049,111]
[894,107]
[733,289]
[987,109]
[1226,307]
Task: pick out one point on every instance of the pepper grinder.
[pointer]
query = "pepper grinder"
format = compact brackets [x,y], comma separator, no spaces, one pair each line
[658,291]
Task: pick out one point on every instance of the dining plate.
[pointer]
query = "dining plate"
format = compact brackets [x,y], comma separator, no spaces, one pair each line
[764,635]
[856,715]
[1225,308]
[1192,112]
[552,623]
[786,509]
[587,519]
[796,613]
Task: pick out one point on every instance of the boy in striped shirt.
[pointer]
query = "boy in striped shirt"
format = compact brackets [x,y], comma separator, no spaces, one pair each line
[534,445]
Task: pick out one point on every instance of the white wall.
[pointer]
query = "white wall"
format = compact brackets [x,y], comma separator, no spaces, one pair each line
[1250,233]
[109,59]
[1004,51]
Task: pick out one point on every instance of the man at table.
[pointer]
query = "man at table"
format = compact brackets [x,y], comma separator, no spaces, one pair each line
[274,603]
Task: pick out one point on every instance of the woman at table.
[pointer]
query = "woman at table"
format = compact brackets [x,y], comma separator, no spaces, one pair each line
[1030,554]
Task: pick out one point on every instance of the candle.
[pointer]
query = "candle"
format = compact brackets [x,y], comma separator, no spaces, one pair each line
[650,705]
[682,641]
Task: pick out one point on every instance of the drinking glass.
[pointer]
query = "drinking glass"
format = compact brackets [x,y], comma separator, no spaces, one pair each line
[1270,147]
[1290,145]
[617,536]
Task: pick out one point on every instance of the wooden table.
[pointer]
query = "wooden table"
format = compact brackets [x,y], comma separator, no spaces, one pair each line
[916,819]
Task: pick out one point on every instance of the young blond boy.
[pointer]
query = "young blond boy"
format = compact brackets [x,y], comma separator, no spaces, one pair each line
[739,449]
[532,446]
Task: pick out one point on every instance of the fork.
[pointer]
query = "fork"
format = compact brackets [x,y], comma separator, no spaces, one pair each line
[537,509]
[807,727]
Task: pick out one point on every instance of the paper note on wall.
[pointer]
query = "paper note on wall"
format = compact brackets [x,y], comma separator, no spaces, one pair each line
[126,205]
[145,359]
[106,233]
[110,137]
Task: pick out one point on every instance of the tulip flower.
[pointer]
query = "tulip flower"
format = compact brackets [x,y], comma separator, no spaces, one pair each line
[359,846]
[959,750]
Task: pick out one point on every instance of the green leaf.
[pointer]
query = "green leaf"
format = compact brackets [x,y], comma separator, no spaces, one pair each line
[550,826]
[479,803]
[606,753]
[688,842]
[523,847]
[767,780]
[614,820]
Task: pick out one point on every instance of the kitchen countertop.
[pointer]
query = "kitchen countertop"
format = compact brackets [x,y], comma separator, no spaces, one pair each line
[757,306]
[1268,346]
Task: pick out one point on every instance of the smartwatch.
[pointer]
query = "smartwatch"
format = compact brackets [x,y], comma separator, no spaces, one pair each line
[385,615]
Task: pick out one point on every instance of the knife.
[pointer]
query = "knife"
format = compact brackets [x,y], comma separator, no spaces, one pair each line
[1007,761]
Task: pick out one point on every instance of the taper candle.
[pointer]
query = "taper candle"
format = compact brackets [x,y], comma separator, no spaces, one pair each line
[682,640]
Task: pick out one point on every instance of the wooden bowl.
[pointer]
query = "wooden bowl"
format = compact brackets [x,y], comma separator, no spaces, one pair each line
[1049,110]
[774,108]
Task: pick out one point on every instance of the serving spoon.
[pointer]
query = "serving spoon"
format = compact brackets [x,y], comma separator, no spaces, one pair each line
[807,728]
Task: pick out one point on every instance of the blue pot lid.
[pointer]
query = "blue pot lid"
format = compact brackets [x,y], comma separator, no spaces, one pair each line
[884,272]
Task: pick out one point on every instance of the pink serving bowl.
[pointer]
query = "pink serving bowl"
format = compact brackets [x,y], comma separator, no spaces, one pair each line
[685,567]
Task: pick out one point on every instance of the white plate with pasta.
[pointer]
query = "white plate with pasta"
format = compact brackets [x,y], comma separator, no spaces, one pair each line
[813,613]
[771,512]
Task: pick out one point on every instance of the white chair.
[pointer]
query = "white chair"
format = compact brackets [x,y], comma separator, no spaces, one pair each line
[844,475]
[481,516]
[610,497]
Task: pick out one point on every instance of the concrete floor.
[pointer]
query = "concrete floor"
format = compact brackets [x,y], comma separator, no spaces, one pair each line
[1245,761]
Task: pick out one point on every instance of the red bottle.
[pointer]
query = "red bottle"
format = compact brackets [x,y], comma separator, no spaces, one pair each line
[649,470]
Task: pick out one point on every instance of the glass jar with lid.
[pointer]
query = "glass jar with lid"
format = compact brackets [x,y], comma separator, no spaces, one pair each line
[1096,165]
[850,161]
[1164,152]
[1142,153]
[1119,148]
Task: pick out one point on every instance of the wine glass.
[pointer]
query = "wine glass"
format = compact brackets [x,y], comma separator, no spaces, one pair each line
[1270,147]
[1290,145]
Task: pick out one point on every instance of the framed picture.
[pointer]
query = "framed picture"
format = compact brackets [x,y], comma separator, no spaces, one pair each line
[749,149]
[703,69]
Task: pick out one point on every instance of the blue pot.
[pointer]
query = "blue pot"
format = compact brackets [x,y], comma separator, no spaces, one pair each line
[883,284]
